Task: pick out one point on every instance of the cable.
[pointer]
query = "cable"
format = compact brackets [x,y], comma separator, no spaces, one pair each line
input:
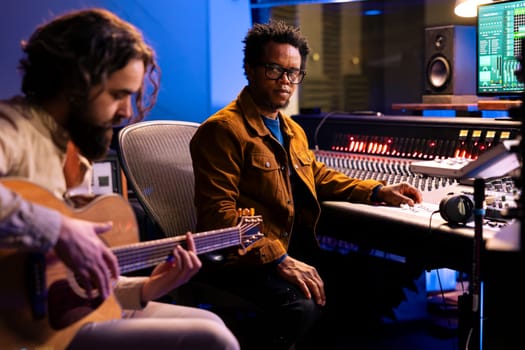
[318,127]
[329,114]
[441,290]
[430,220]
[469,336]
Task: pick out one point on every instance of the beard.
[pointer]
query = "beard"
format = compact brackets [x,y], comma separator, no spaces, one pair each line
[275,106]
[265,98]
[92,140]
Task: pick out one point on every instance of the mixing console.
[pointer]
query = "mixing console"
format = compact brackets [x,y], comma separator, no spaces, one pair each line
[495,162]
[501,193]
[390,149]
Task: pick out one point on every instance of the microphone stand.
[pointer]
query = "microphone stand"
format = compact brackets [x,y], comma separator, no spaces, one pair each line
[470,305]
[475,285]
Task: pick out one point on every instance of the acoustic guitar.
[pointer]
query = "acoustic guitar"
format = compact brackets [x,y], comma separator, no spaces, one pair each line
[41,304]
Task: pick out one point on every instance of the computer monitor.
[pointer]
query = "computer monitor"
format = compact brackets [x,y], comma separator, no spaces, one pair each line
[500,29]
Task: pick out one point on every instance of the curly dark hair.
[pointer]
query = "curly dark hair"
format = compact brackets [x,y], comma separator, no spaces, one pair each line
[81,49]
[275,31]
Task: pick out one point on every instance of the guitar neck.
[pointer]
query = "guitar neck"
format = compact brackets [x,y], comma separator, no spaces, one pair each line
[150,253]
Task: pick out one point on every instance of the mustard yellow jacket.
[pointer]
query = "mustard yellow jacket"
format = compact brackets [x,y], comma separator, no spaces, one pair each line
[237,163]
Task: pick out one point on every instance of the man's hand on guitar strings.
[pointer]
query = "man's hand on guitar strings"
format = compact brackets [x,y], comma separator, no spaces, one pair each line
[179,268]
[85,254]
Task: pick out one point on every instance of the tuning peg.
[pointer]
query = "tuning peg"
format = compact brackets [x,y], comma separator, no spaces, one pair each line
[246,212]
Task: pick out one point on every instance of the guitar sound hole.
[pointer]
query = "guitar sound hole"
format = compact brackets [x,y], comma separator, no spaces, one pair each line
[66,307]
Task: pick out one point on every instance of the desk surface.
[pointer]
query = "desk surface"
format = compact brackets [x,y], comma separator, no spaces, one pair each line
[421,233]
[436,106]
[498,105]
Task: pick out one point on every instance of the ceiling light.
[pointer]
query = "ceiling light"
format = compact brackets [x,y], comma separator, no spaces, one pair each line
[468,8]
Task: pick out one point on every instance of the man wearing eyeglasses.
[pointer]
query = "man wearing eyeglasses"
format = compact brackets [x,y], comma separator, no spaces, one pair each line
[252,155]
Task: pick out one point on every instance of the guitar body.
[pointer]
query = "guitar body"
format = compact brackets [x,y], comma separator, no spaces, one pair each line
[40,304]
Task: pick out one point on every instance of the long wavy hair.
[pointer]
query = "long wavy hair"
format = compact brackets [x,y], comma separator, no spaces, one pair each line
[79,50]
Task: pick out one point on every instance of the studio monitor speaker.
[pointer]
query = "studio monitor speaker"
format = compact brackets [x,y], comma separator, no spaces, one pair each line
[450,60]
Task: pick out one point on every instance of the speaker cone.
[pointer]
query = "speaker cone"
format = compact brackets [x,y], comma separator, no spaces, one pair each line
[438,72]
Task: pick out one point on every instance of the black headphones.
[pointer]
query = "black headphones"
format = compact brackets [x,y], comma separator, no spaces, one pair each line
[457,209]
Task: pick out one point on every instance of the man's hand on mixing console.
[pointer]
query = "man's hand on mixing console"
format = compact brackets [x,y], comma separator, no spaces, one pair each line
[401,193]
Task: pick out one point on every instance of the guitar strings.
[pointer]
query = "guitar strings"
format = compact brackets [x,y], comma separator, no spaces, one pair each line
[150,253]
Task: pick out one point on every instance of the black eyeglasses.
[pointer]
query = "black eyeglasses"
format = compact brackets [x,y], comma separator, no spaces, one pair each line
[275,72]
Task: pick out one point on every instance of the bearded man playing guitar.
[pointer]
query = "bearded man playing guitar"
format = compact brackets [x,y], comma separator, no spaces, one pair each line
[83,73]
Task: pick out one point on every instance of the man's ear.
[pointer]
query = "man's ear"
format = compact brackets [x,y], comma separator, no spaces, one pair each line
[250,72]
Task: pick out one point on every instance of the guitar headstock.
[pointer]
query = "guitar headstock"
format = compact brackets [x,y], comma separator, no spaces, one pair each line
[250,227]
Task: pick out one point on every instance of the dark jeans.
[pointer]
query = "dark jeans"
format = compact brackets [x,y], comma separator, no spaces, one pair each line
[282,316]
[360,291]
